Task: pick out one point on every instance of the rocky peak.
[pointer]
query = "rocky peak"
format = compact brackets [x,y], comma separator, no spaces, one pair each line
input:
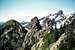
[35,23]
[12,35]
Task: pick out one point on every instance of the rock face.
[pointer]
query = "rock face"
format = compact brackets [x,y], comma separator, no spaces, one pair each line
[47,23]
[31,36]
[35,24]
[70,32]
[12,35]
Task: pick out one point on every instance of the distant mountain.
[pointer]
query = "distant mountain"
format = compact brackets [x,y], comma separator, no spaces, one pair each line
[1,24]
[59,17]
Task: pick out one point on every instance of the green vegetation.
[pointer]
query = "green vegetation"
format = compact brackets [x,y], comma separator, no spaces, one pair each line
[50,38]
[62,46]
[53,36]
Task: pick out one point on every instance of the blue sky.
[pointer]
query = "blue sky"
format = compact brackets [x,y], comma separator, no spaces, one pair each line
[26,9]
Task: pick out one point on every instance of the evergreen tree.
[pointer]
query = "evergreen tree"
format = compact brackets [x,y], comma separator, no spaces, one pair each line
[61,30]
[56,33]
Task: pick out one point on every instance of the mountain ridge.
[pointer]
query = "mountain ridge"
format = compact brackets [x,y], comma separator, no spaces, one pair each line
[37,36]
